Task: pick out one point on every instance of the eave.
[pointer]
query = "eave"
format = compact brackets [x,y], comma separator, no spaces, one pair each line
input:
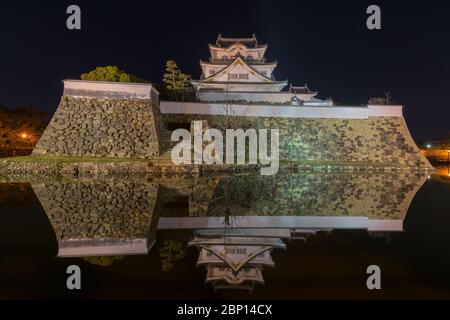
[253,63]
[212,48]
[241,83]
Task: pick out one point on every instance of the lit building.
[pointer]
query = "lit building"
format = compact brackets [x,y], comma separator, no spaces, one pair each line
[238,70]
[235,260]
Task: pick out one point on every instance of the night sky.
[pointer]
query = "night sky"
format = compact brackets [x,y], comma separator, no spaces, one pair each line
[322,43]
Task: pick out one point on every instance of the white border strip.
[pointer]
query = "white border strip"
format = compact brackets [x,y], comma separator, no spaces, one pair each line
[281,111]
[290,222]
[285,222]
[109,90]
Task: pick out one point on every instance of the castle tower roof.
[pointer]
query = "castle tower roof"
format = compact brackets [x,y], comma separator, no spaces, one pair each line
[223,42]
[238,70]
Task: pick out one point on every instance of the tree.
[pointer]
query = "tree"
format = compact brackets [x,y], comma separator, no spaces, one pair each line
[185,85]
[21,127]
[386,100]
[176,84]
[331,100]
[170,252]
[103,261]
[110,73]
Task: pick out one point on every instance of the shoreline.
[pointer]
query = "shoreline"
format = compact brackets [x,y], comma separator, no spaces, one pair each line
[86,166]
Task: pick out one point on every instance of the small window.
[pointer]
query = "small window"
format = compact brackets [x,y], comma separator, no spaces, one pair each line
[224,57]
[238,76]
[249,58]
[211,72]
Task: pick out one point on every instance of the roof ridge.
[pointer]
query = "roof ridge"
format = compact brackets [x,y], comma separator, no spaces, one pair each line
[253,39]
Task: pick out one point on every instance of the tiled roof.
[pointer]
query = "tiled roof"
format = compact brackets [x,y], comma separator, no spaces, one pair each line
[299,90]
[226,42]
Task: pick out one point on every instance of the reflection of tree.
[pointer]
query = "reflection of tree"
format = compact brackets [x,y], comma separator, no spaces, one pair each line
[201,196]
[221,201]
[16,194]
[170,252]
[103,261]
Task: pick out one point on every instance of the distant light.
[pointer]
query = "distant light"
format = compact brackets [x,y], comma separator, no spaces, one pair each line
[24,135]
[428,146]
[429,177]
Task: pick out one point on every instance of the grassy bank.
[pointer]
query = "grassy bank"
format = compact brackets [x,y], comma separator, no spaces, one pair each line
[70,159]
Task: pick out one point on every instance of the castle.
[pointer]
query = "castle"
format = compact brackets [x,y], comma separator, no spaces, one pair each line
[236,221]
[237,89]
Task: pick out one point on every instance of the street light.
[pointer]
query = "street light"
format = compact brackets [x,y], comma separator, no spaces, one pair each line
[24,135]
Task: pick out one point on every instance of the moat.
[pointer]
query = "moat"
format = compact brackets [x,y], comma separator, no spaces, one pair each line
[298,235]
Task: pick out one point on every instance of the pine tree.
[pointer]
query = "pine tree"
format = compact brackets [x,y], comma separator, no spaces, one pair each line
[176,82]
[170,252]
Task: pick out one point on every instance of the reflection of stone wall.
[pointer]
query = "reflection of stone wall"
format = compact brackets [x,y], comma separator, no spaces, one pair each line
[99,127]
[96,210]
[377,196]
[201,195]
[124,208]
[377,140]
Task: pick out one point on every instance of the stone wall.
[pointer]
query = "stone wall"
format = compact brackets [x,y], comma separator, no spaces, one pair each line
[372,141]
[101,126]
[101,119]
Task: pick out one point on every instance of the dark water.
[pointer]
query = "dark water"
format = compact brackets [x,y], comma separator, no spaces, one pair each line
[309,235]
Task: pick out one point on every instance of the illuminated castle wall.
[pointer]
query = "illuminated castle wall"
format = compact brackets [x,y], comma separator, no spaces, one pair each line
[101,119]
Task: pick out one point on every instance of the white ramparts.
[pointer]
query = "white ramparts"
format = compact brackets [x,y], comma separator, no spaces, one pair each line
[145,91]
[274,97]
[103,247]
[110,90]
[290,222]
[281,111]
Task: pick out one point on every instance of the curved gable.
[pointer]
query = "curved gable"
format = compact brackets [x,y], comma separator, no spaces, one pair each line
[237,48]
[239,71]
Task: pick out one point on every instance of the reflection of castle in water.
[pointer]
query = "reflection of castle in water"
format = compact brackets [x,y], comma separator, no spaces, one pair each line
[234,260]
[236,222]
[100,217]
